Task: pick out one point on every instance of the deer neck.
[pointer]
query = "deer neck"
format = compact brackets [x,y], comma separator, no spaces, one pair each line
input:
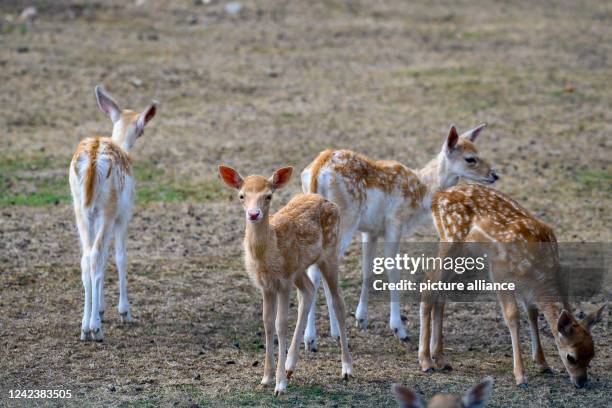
[257,238]
[436,176]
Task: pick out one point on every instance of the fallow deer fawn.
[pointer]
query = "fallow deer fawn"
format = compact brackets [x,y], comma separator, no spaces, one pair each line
[527,254]
[102,190]
[385,199]
[278,249]
[475,397]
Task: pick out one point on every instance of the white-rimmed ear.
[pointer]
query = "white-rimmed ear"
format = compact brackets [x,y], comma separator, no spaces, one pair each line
[230,177]
[593,318]
[281,177]
[147,115]
[472,134]
[107,104]
[565,323]
[406,398]
[451,139]
[478,395]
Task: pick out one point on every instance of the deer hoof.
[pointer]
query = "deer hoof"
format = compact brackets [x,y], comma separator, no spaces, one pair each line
[126,317]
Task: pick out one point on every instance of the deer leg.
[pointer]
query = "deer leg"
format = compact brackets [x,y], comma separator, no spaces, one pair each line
[369,250]
[84,234]
[437,338]
[121,261]
[98,258]
[305,297]
[269,313]
[511,316]
[536,346]
[282,312]
[392,237]
[310,336]
[425,311]
[330,274]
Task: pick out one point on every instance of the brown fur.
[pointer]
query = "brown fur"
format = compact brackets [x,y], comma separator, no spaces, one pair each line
[362,173]
[475,213]
[278,249]
[90,148]
[316,165]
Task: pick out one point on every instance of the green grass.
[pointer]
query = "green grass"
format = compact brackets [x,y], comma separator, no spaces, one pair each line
[596,180]
[39,180]
[303,395]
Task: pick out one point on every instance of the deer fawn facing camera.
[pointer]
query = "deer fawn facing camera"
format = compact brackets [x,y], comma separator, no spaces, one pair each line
[475,397]
[385,199]
[278,250]
[524,251]
[102,190]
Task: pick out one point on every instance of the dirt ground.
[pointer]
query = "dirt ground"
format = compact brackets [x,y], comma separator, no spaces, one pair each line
[273,85]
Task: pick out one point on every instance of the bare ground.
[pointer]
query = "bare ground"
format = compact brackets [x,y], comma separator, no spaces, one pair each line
[272,86]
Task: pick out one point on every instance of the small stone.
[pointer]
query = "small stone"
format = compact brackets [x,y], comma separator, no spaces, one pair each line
[28,14]
[137,82]
[233,7]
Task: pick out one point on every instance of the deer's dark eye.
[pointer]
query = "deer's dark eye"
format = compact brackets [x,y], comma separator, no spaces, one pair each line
[268,197]
[470,160]
[571,359]
[241,196]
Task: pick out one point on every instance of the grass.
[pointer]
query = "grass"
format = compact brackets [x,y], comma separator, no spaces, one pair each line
[596,180]
[39,180]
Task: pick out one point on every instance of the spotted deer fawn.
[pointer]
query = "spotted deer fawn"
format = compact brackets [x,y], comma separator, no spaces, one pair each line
[102,190]
[278,249]
[475,397]
[383,198]
[524,251]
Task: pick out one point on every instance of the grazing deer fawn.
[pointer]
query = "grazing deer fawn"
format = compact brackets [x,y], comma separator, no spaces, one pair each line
[383,198]
[278,249]
[475,397]
[524,251]
[102,190]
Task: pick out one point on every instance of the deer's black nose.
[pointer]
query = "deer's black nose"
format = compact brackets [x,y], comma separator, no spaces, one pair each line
[580,382]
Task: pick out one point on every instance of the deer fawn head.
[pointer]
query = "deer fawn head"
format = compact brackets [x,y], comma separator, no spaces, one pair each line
[576,344]
[127,124]
[462,159]
[255,192]
[475,397]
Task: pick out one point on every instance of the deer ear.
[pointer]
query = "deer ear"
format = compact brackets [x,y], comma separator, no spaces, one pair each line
[593,318]
[406,398]
[230,177]
[472,134]
[452,139]
[107,104]
[147,115]
[281,177]
[478,395]
[565,323]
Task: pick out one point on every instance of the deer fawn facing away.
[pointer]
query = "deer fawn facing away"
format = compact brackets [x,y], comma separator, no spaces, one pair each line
[475,397]
[524,251]
[102,190]
[385,199]
[278,250]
